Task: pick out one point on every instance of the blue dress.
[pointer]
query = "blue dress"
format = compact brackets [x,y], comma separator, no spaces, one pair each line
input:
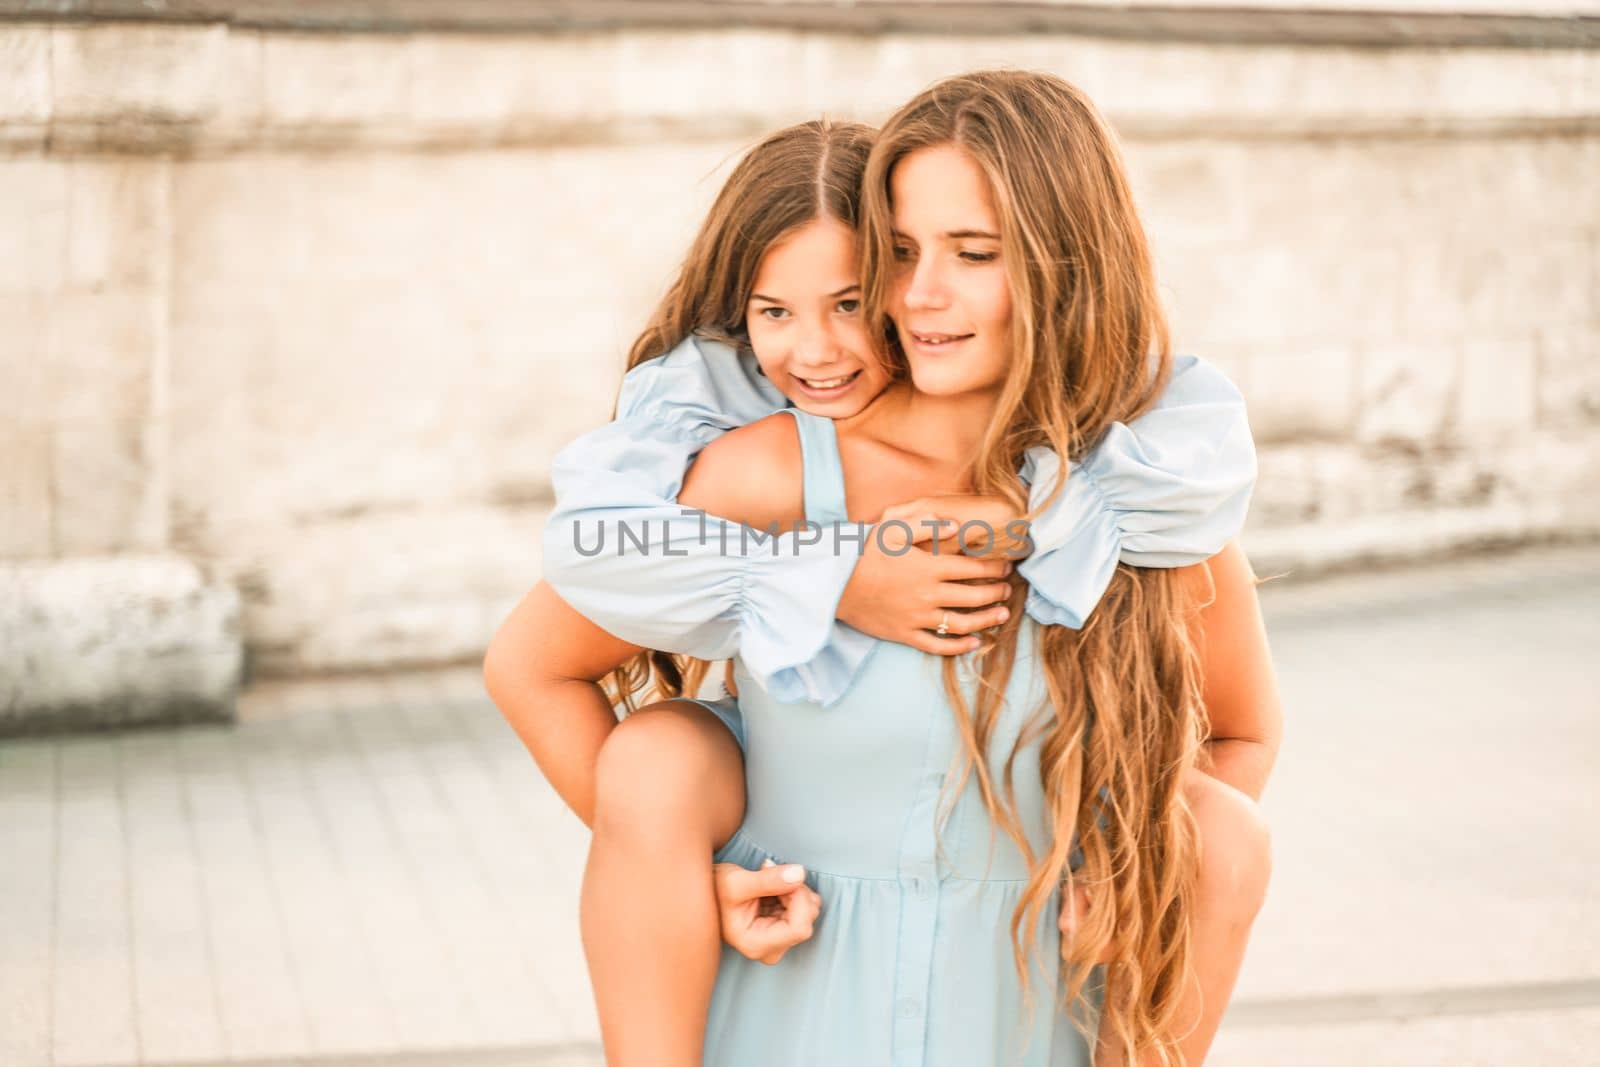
[910,963]
[1167,489]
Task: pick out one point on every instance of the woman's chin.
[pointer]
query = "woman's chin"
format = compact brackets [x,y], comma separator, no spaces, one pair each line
[942,380]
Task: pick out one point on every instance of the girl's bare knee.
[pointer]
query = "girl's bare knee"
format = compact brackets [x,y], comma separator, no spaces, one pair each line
[666,765]
[1235,850]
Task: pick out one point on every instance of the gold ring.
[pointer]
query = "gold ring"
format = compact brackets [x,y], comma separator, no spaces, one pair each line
[944,625]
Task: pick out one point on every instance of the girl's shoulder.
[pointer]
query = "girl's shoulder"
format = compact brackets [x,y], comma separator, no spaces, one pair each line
[751,474]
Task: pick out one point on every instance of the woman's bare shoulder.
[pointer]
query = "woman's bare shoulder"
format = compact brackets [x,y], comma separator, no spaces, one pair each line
[753,474]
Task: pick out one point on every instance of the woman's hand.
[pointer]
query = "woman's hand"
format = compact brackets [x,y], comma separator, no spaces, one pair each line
[764,913]
[901,591]
[1074,913]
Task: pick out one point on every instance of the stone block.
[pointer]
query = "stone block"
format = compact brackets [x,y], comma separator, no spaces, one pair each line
[240,104]
[385,590]
[217,244]
[1302,391]
[1498,393]
[1286,487]
[1569,376]
[95,641]
[24,358]
[335,79]
[26,511]
[1406,391]
[106,487]
[118,227]
[119,70]
[476,83]
[34,207]
[102,481]
[101,348]
[498,87]
[24,75]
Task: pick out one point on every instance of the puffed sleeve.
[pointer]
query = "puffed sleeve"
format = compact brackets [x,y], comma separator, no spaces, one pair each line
[621,550]
[1168,489]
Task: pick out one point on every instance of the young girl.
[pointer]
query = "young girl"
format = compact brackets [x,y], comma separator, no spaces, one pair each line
[694,742]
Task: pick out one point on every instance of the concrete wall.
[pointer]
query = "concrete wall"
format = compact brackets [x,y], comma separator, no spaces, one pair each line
[313,310]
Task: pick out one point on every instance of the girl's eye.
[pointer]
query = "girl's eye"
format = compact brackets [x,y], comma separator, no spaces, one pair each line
[979,257]
[773,314]
[903,253]
[849,307]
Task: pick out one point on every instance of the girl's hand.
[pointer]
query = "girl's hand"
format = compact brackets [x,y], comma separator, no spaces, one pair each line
[1074,912]
[994,535]
[764,914]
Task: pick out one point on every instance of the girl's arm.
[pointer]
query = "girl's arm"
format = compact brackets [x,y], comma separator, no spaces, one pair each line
[541,671]
[1168,489]
[1240,688]
[544,664]
[619,524]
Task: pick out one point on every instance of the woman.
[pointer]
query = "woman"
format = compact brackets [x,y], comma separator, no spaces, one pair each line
[882,442]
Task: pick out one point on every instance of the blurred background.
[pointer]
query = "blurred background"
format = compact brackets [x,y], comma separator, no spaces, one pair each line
[298,299]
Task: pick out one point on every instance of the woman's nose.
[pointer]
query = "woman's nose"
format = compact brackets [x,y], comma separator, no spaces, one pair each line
[924,288]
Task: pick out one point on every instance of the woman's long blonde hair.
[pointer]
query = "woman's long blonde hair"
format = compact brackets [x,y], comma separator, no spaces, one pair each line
[793,177]
[1123,718]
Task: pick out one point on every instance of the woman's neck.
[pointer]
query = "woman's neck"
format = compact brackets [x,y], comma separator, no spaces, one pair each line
[944,429]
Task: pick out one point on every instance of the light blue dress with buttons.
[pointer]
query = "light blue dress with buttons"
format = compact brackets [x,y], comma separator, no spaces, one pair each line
[848,739]
[910,963]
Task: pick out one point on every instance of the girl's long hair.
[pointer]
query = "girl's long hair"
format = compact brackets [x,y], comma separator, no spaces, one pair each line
[1123,717]
[795,176]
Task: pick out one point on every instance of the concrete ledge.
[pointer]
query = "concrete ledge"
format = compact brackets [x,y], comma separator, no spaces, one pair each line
[99,642]
[216,88]
[1384,23]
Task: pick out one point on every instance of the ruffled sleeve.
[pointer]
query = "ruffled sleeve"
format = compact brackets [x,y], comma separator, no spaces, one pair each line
[1168,489]
[621,550]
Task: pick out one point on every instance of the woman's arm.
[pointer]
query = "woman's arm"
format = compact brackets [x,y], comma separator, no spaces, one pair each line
[1240,688]
[541,671]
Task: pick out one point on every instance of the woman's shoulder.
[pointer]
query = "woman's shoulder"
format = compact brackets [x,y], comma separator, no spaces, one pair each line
[752,474]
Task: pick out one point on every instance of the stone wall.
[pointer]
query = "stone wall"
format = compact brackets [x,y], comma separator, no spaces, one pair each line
[314,309]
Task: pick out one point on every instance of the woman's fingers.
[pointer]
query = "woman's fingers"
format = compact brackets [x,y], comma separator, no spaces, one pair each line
[957,595]
[796,924]
[955,567]
[927,641]
[736,885]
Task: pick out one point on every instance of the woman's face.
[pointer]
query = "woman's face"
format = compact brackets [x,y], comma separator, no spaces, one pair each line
[950,299]
[805,323]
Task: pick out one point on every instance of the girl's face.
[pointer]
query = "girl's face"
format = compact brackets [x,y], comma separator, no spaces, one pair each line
[805,323]
[950,298]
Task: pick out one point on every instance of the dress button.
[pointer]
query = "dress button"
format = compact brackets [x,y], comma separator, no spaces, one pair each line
[909,1008]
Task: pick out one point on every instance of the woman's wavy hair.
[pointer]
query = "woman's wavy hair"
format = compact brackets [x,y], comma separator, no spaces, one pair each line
[1123,717]
[793,177]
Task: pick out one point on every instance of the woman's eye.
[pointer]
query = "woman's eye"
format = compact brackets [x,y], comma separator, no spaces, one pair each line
[903,253]
[773,314]
[979,257]
[849,307]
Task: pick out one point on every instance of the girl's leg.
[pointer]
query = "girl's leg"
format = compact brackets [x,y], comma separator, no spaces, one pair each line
[669,790]
[1235,862]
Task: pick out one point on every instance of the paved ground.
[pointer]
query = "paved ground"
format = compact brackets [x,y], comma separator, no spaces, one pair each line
[372,869]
